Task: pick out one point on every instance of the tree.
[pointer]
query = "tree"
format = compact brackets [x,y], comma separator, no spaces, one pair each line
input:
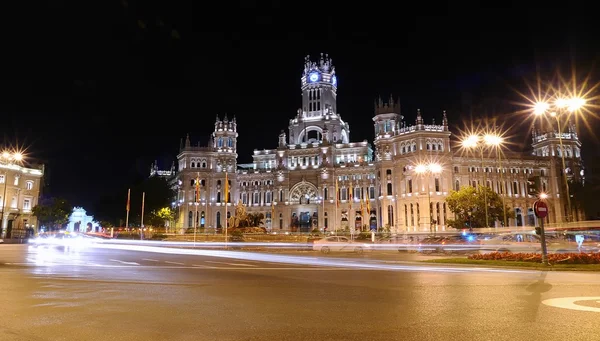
[52,213]
[468,206]
[161,217]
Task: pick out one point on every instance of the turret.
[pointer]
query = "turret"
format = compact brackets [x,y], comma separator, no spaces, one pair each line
[387,116]
[224,137]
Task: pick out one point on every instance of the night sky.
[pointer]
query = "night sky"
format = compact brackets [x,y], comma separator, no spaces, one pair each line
[99,92]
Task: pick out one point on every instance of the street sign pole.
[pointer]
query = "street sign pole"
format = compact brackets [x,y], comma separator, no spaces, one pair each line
[541,211]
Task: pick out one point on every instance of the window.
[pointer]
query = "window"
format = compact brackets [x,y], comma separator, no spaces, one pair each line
[325,194]
[456,185]
[27,204]
[29,185]
[389,189]
[2,178]
[410,188]
[16,183]
[437,184]
[371,192]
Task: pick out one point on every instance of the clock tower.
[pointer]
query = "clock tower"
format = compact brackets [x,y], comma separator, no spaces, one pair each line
[319,87]
[318,120]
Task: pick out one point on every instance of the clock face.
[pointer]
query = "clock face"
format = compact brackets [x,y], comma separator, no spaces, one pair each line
[334,80]
[313,77]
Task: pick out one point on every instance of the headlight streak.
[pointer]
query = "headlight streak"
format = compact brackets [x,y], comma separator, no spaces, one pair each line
[302,260]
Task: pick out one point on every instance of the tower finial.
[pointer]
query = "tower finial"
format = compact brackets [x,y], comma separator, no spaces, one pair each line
[445,120]
[419,120]
[187,140]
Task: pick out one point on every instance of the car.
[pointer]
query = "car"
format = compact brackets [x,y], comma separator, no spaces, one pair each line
[339,243]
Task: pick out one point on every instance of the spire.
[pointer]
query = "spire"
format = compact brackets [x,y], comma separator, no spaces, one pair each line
[180,143]
[419,120]
[445,120]
[187,140]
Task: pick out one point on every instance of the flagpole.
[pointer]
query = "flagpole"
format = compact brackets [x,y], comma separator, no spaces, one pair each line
[337,203]
[226,197]
[323,213]
[127,208]
[197,197]
[142,221]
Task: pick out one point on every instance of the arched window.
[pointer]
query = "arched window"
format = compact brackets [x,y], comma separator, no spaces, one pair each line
[389,189]
[218,196]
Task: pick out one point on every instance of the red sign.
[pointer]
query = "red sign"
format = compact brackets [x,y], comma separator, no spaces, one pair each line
[541,209]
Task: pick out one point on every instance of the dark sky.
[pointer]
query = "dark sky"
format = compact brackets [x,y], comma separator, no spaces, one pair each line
[97,92]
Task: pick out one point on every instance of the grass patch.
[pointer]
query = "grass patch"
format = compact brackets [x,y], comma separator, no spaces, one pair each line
[513,264]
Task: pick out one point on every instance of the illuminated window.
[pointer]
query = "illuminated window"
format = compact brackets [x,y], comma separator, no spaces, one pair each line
[29,185]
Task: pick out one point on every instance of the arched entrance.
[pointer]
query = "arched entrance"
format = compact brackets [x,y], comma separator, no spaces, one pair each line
[304,209]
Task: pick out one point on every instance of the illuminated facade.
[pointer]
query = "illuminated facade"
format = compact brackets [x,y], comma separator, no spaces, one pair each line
[19,194]
[294,183]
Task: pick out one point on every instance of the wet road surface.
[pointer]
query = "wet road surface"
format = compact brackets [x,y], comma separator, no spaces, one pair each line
[123,293]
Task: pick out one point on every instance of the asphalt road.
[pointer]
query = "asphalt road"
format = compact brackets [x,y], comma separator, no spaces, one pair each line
[146,293]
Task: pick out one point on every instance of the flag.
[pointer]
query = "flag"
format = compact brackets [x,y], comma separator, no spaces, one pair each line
[198,187]
[368,204]
[350,198]
[362,205]
[226,189]
[337,194]
[128,199]
[272,208]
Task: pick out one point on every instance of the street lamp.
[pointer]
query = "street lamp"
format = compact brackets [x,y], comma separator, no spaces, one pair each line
[7,158]
[473,142]
[434,169]
[556,109]
[496,142]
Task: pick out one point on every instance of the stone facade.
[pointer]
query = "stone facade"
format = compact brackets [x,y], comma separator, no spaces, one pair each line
[21,186]
[294,184]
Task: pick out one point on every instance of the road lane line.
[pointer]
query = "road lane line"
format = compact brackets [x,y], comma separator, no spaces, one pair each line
[176,263]
[232,264]
[123,262]
[204,266]
[150,260]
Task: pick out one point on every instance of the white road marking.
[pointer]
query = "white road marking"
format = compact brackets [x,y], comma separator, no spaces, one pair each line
[571,303]
[150,260]
[123,262]
[204,266]
[232,264]
[176,263]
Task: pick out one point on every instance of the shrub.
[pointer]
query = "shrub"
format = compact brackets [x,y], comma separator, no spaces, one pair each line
[554,258]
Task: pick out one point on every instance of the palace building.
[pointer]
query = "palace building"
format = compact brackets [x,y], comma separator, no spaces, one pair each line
[19,194]
[316,177]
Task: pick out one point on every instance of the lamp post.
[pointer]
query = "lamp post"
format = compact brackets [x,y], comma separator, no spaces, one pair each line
[433,169]
[496,142]
[556,109]
[8,159]
[473,142]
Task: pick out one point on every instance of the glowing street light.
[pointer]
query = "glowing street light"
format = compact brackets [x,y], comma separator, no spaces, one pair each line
[431,168]
[8,158]
[556,109]
[473,142]
[496,141]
